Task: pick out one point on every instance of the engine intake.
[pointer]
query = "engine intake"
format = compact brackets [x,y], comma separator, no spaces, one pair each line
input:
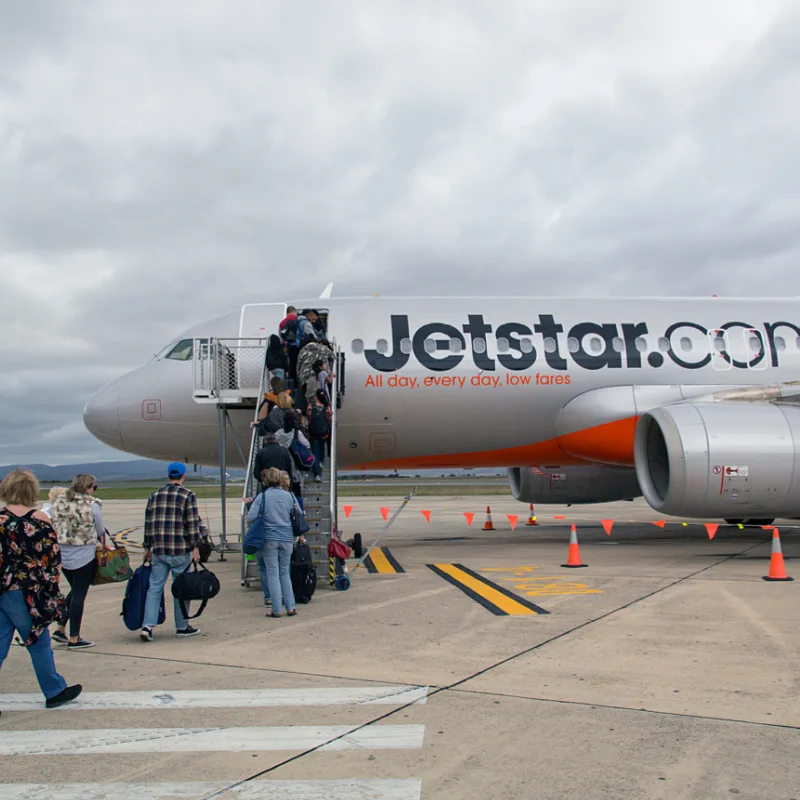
[729,460]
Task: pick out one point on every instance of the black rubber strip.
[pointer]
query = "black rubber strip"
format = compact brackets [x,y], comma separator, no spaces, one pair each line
[489,606]
[392,560]
[509,594]
[371,568]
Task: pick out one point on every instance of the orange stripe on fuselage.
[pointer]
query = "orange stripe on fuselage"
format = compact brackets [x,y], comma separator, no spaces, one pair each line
[609,443]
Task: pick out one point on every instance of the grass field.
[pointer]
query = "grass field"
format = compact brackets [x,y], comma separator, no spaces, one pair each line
[345,490]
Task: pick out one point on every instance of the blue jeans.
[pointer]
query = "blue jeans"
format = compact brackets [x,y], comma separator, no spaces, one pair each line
[162,565]
[14,615]
[278,557]
[262,573]
[318,449]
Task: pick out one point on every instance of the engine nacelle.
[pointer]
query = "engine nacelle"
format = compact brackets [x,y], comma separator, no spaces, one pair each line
[729,460]
[573,485]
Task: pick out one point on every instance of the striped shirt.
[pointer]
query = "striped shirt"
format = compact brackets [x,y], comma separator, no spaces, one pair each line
[171,521]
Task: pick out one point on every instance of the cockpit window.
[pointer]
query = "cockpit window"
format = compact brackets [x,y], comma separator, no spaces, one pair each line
[181,352]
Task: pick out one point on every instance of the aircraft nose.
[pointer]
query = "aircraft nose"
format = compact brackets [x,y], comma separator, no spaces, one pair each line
[101,416]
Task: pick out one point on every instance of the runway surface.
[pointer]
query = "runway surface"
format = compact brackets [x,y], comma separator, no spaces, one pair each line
[666,668]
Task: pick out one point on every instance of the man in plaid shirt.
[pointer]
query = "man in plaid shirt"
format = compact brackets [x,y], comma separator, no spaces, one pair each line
[171,536]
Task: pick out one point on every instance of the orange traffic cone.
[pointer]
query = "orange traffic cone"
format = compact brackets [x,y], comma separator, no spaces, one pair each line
[532,518]
[574,557]
[488,526]
[777,570]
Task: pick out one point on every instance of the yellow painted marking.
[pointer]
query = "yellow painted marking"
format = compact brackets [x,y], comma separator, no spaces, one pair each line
[487,592]
[541,585]
[381,563]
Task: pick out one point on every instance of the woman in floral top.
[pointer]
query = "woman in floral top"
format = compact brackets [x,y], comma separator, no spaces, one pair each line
[29,595]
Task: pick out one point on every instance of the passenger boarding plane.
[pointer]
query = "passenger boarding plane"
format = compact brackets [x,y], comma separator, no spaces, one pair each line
[693,403]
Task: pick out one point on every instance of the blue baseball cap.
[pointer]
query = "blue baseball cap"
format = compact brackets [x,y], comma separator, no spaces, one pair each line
[176,470]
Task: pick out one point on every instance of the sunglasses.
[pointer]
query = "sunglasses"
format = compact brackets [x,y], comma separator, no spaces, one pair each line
[95,487]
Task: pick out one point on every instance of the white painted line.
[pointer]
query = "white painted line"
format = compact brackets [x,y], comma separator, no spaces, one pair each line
[237,698]
[253,790]
[207,740]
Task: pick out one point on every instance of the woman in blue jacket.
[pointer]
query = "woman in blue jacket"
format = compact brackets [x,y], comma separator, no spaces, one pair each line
[278,506]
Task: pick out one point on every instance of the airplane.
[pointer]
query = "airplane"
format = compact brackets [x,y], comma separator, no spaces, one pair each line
[693,403]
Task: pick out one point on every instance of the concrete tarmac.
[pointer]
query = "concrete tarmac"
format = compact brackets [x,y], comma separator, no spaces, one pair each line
[667,668]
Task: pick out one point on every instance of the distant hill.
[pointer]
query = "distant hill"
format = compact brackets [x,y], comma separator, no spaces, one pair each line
[112,471]
[147,469]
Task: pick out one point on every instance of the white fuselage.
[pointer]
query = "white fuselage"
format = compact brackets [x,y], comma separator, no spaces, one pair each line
[479,382]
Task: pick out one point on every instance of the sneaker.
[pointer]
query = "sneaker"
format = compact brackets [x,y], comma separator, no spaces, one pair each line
[187,631]
[318,479]
[67,696]
[146,634]
[267,601]
[81,644]
[59,637]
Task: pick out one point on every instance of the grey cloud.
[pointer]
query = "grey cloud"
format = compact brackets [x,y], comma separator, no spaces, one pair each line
[166,168]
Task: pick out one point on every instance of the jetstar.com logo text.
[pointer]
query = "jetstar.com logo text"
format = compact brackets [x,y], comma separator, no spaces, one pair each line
[441,347]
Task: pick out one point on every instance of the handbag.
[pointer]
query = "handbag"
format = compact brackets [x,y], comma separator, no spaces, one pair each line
[195,584]
[338,549]
[257,533]
[111,565]
[299,524]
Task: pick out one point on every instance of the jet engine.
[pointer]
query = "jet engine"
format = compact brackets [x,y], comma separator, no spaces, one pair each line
[729,460]
[573,485]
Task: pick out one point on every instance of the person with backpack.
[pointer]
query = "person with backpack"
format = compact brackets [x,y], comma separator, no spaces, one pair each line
[276,361]
[171,538]
[290,335]
[29,594]
[319,431]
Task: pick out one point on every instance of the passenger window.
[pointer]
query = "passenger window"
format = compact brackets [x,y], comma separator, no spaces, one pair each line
[182,351]
[720,350]
[641,344]
[618,344]
[755,342]
[358,346]
[550,345]
[686,344]
[455,346]
[573,344]
[502,345]
[780,343]
[382,346]
[479,345]
[663,344]
[405,346]
[596,344]
[526,345]
[430,346]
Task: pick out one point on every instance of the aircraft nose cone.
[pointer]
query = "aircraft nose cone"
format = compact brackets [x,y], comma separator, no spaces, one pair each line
[101,416]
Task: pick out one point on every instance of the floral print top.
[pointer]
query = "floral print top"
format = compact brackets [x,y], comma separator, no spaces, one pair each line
[30,560]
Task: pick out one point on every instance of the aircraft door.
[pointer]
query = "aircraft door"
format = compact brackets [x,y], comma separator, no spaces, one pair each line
[258,322]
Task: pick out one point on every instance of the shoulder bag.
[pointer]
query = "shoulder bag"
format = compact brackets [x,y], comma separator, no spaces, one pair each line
[299,524]
[111,565]
[257,533]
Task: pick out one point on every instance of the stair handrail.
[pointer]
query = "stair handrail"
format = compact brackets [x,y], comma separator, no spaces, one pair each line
[332,466]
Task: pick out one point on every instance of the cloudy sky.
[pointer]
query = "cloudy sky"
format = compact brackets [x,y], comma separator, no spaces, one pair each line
[161,164]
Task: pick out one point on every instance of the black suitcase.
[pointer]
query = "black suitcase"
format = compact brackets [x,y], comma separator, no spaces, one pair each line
[303,574]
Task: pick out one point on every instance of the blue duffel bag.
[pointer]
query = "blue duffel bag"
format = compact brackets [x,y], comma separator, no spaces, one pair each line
[135,598]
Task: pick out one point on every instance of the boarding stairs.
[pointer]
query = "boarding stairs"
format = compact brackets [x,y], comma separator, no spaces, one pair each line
[319,499]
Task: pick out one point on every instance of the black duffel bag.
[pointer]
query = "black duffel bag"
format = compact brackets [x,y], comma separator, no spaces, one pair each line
[195,584]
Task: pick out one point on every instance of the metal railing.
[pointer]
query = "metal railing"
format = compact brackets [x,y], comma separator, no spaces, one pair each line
[228,369]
